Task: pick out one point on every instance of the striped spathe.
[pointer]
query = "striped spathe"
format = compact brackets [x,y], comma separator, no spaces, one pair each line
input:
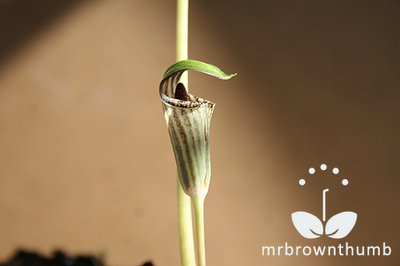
[188,120]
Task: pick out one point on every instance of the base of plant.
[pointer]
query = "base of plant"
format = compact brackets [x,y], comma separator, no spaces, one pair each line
[58,258]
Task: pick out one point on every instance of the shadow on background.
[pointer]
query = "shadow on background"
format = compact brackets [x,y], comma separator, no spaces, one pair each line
[327,70]
[21,21]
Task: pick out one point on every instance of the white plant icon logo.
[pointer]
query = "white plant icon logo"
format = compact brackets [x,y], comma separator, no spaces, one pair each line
[338,226]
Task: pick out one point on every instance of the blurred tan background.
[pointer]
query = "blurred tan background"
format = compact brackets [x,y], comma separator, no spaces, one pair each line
[86,164]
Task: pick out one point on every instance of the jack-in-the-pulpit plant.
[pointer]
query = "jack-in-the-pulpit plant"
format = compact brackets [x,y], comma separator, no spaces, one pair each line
[188,120]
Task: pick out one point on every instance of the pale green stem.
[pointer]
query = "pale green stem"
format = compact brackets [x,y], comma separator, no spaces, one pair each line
[182,32]
[186,240]
[198,204]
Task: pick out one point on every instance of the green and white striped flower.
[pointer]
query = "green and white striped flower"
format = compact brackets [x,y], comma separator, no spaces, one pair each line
[188,120]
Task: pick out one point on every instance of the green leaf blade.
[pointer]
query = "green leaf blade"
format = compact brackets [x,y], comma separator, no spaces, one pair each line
[206,68]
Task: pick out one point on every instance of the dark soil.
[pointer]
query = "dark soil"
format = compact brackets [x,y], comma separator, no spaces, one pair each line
[59,258]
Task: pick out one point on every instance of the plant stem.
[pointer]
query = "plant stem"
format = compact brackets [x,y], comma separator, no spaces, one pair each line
[186,240]
[182,32]
[198,203]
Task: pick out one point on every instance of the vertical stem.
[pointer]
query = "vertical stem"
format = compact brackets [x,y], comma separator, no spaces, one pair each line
[186,241]
[182,32]
[198,204]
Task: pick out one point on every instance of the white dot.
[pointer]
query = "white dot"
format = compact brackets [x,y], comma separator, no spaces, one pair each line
[311,170]
[345,182]
[323,167]
[335,170]
[302,182]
